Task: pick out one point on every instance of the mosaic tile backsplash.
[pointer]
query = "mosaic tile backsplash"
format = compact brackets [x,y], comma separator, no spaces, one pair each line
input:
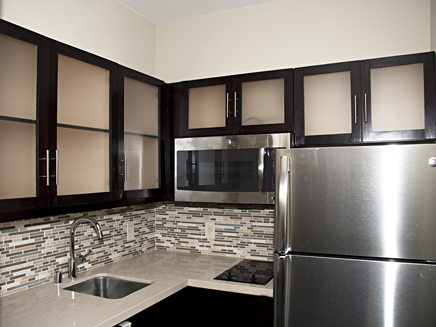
[31,250]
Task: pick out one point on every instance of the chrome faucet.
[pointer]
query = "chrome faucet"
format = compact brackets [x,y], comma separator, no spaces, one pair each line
[74,261]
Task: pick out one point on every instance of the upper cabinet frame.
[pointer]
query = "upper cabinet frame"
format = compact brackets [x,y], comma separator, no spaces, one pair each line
[53,129]
[227,98]
[42,112]
[361,104]
[56,50]
[138,194]
[428,65]
[299,104]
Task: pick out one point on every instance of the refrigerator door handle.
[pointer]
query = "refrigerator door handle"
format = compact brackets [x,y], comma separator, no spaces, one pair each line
[282,237]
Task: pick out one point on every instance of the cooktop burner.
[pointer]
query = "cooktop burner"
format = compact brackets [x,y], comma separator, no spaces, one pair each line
[249,271]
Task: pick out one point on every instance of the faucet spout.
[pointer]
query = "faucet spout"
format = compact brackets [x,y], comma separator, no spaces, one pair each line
[73,261]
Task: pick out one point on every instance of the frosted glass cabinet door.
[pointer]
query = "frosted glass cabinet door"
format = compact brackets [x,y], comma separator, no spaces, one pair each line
[207,107]
[326,100]
[263,102]
[17,166]
[83,134]
[398,98]
[327,104]
[18,72]
[141,135]
[18,118]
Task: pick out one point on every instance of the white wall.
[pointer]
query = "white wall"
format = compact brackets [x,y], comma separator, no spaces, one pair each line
[433,25]
[103,27]
[290,33]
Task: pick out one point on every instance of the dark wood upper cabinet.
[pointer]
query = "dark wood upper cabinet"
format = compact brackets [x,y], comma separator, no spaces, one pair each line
[139,157]
[242,104]
[23,118]
[398,98]
[67,118]
[326,104]
[82,143]
[379,100]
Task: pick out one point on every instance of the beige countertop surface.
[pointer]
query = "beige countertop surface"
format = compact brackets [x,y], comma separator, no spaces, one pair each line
[50,305]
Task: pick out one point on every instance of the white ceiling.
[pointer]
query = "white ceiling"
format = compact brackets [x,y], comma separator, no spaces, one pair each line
[161,11]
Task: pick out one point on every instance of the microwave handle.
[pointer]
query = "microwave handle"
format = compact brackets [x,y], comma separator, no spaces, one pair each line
[261,169]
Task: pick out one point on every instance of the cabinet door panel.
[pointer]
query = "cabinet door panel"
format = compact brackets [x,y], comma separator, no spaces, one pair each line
[83,94]
[18,152]
[18,78]
[263,102]
[397,98]
[139,152]
[327,104]
[141,107]
[81,126]
[207,107]
[23,106]
[142,154]
[83,161]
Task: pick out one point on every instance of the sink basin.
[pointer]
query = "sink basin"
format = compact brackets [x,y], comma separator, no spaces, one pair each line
[107,287]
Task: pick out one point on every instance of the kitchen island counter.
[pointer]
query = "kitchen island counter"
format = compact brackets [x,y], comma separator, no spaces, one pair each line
[168,272]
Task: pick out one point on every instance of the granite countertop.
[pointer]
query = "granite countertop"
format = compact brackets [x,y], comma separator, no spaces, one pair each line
[50,305]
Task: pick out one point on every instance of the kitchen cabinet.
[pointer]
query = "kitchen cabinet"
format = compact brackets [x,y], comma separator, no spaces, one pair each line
[377,100]
[242,104]
[63,133]
[139,153]
[193,306]
[23,113]
[81,139]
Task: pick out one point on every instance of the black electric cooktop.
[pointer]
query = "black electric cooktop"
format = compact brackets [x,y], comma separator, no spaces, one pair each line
[249,271]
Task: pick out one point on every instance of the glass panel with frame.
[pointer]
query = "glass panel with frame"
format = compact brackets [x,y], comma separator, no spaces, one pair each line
[327,104]
[141,135]
[263,102]
[83,127]
[397,98]
[18,112]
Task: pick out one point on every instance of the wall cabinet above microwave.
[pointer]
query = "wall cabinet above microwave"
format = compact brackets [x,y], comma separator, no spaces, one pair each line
[377,100]
[242,104]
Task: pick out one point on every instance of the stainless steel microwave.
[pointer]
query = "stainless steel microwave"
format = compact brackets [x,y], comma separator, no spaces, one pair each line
[227,169]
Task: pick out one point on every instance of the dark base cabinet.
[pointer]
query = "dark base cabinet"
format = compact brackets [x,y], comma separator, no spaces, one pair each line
[202,307]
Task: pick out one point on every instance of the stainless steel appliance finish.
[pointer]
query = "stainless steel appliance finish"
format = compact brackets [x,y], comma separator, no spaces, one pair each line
[354,236]
[107,287]
[259,142]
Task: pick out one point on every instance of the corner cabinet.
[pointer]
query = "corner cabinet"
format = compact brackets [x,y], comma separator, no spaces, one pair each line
[68,121]
[377,100]
[242,104]
[139,153]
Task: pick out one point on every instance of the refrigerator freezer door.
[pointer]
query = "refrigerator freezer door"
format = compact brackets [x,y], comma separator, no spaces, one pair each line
[314,291]
[369,201]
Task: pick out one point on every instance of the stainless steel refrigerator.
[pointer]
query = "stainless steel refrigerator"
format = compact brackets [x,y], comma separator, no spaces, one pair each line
[355,236]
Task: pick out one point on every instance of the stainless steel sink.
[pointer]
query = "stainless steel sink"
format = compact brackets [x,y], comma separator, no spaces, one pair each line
[107,287]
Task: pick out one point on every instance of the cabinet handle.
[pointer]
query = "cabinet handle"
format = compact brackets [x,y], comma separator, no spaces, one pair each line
[125,167]
[366,110]
[234,105]
[57,167]
[47,167]
[355,109]
[227,106]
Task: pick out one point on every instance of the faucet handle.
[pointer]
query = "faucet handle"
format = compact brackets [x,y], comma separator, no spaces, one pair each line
[84,257]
